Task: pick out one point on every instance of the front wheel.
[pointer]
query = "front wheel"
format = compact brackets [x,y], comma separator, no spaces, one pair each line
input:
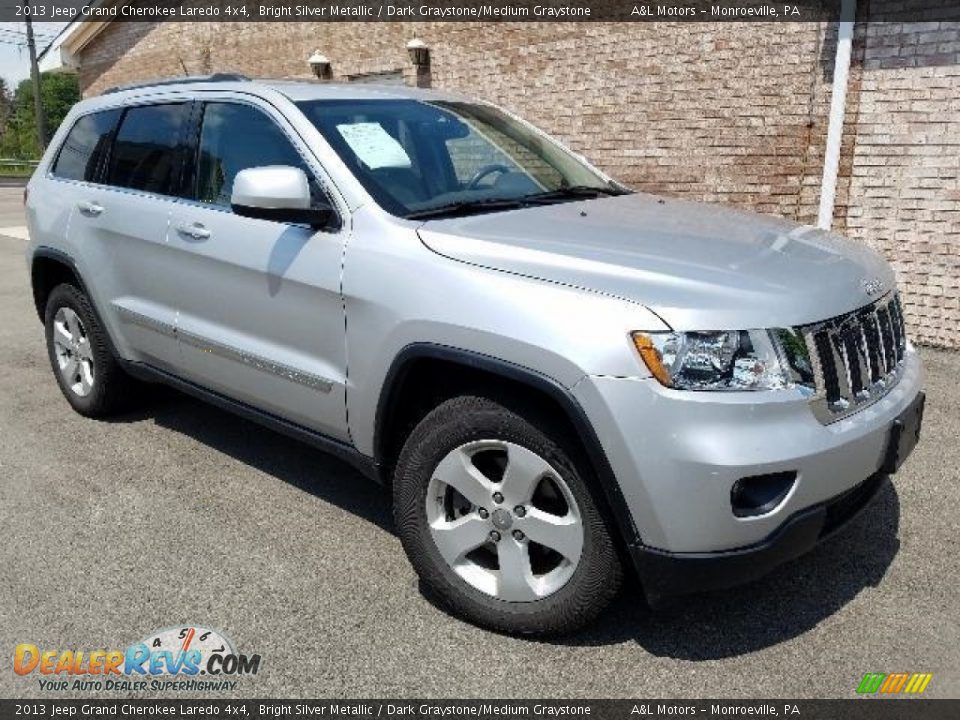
[498,521]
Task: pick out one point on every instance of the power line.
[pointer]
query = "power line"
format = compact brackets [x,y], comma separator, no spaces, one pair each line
[16,27]
[18,31]
[22,39]
[20,43]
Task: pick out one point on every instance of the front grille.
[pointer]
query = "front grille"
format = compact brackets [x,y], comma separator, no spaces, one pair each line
[856,358]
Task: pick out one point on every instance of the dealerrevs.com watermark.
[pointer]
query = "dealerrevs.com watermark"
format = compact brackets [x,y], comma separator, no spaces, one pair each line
[186,658]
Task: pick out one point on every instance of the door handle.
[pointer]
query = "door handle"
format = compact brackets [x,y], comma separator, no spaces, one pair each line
[88,207]
[196,231]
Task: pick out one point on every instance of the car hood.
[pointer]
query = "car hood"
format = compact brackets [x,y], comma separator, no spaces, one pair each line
[698,266]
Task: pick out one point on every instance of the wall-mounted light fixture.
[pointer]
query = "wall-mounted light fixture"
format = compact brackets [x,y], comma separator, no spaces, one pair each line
[320,64]
[419,53]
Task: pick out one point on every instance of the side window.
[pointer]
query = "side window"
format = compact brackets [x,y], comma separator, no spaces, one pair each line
[147,152]
[235,137]
[85,146]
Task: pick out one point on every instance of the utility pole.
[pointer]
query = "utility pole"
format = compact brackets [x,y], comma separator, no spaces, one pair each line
[35,74]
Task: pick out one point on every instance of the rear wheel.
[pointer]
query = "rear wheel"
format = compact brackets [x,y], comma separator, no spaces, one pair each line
[88,375]
[498,520]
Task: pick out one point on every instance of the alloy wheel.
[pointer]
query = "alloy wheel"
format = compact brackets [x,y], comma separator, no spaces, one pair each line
[504,520]
[73,352]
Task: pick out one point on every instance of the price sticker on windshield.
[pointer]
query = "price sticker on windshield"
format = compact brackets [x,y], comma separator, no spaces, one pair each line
[374,146]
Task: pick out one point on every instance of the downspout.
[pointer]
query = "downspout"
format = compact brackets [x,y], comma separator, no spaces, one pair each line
[838,104]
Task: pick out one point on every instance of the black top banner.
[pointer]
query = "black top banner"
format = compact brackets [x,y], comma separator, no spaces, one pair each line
[481,10]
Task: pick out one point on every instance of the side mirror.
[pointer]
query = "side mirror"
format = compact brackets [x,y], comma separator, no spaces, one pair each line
[278,193]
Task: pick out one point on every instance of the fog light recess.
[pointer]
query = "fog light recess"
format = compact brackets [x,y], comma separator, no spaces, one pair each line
[759,494]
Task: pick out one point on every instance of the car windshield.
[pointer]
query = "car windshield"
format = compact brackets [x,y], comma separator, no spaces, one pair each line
[423,159]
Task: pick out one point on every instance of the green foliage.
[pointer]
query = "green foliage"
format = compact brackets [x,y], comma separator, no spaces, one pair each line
[18,125]
[5,102]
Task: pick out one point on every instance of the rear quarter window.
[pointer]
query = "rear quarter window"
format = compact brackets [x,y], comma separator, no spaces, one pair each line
[85,146]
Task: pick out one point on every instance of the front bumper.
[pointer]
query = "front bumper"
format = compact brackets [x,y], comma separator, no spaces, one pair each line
[676,456]
[665,574]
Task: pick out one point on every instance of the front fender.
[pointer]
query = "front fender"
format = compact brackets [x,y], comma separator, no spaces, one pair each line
[397,292]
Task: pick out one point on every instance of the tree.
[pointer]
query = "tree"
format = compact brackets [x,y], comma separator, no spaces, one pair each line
[6,103]
[58,91]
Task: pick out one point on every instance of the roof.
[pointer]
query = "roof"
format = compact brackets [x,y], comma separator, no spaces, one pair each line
[61,54]
[300,90]
[296,91]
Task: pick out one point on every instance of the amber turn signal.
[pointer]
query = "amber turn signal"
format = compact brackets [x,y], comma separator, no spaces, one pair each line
[651,357]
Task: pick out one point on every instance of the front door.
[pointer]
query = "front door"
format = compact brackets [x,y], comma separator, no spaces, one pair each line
[261,315]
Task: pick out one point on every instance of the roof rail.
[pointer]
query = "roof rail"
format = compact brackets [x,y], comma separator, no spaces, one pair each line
[216,77]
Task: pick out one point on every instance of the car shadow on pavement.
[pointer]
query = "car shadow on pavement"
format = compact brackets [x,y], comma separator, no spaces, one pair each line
[788,602]
[783,605]
[294,462]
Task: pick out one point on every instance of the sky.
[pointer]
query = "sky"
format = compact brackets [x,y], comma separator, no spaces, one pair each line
[14,58]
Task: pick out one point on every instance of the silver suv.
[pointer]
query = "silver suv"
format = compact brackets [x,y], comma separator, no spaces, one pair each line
[557,378]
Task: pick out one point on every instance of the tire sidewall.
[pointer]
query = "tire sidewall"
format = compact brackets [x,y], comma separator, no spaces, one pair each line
[464,420]
[67,296]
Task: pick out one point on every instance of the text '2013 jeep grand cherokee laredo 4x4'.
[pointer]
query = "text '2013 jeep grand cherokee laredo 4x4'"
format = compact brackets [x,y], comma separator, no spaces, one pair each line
[556,376]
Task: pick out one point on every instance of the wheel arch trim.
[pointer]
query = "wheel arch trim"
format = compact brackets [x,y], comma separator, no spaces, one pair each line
[575,414]
[49,253]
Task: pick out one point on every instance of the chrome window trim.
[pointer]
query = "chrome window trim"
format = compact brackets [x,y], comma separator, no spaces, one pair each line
[263,105]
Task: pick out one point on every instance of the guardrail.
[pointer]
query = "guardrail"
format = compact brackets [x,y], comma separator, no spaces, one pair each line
[15,169]
[14,162]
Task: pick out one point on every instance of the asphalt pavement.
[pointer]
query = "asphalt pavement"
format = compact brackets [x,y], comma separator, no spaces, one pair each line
[179,513]
[11,203]
[12,182]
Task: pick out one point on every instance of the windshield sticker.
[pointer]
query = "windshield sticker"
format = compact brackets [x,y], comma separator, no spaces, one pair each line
[374,145]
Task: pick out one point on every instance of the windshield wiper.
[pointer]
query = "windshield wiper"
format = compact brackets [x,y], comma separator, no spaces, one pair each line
[464,207]
[574,191]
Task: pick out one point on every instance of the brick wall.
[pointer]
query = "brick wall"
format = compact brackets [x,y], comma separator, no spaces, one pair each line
[724,112]
[904,186]
[731,113]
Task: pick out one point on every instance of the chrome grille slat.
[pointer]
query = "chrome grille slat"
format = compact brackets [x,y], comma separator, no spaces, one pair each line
[886,333]
[843,371]
[872,335]
[856,358]
[897,321]
[881,353]
[828,366]
[865,349]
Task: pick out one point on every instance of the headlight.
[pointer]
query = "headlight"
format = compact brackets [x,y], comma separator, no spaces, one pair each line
[725,360]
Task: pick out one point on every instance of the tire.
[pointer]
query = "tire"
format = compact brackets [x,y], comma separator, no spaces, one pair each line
[442,508]
[98,387]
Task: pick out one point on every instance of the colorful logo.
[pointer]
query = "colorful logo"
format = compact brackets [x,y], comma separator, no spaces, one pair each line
[893,683]
[178,651]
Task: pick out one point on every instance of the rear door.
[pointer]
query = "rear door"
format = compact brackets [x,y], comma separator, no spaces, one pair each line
[71,180]
[121,224]
[262,318]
